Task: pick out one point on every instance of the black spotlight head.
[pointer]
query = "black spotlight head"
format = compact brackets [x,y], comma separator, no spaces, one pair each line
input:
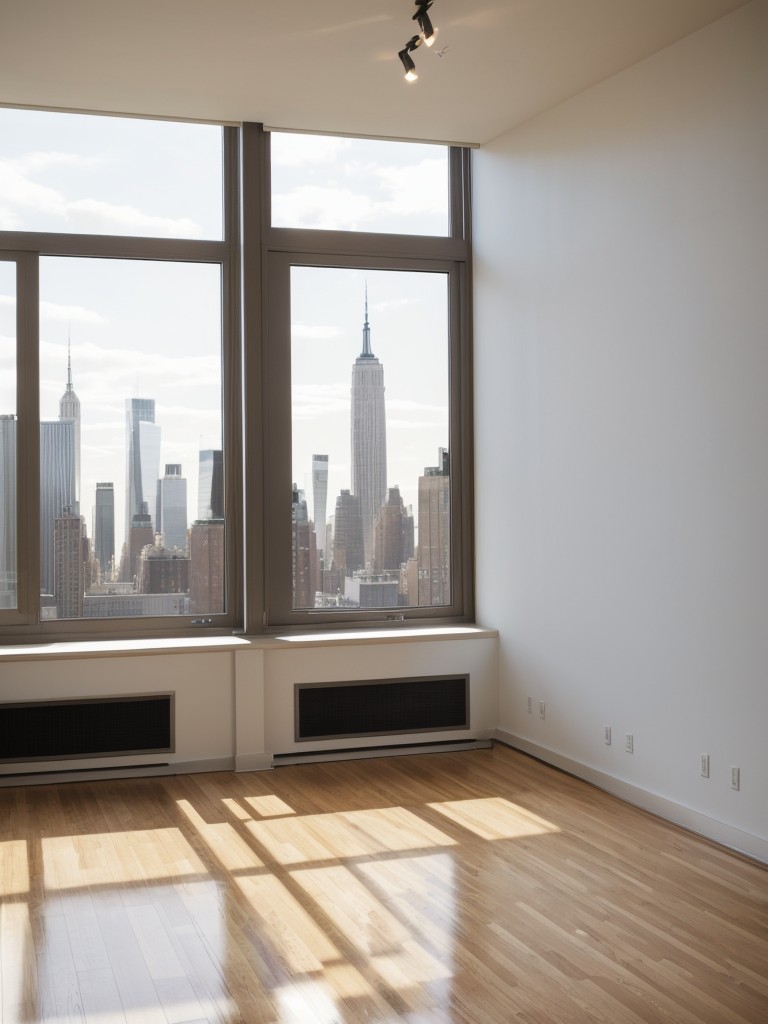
[408,64]
[428,33]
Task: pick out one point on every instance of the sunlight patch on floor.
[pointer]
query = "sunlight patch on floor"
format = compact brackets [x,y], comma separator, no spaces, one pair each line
[422,892]
[317,837]
[14,869]
[269,806]
[288,928]
[495,818]
[230,849]
[234,808]
[143,855]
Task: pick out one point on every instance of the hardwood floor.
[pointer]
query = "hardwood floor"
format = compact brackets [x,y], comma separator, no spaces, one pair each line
[472,888]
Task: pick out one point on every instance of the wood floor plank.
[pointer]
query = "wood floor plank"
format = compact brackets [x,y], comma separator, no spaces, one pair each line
[138,995]
[468,888]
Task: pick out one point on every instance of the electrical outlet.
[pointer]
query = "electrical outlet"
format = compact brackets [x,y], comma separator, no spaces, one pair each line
[735,777]
[607,735]
[629,743]
[542,709]
[705,766]
[530,705]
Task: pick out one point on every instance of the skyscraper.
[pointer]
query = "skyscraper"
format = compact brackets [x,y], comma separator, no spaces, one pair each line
[369,437]
[104,527]
[172,507]
[69,568]
[304,553]
[8,597]
[347,534]
[433,555]
[320,496]
[57,488]
[210,488]
[206,537]
[69,409]
[394,534]
[139,536]
[162,571]
[142,448]
[206,571]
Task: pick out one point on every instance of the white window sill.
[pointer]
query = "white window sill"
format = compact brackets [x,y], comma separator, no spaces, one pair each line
[287,641]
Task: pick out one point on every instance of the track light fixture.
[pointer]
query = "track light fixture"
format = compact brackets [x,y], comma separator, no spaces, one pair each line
[427,36]
[405,57]
[428,33]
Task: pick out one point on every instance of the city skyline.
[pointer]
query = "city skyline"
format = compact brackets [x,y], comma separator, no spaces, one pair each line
[372,557]
[116,329]
[408,315]
[81,573]
[139,327]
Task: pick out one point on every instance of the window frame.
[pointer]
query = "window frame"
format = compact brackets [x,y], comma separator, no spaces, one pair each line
[27,247]
[269,252]
[252,255]
[27,438]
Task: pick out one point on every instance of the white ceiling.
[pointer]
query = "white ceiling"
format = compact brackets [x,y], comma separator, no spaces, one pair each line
[330,65]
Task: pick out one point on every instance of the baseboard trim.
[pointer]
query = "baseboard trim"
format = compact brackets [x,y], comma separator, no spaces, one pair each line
[725,835]
[398,750]
[253,762]
[46,776]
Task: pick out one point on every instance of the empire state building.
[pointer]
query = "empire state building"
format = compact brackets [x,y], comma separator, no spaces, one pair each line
[69,409]
[369,437]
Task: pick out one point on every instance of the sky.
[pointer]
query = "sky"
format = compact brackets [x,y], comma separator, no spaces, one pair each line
[152,330]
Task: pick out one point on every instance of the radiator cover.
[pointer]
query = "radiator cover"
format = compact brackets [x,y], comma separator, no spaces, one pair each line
[379,707]
[91,727]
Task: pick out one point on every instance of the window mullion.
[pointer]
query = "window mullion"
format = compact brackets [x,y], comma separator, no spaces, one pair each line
[28,440]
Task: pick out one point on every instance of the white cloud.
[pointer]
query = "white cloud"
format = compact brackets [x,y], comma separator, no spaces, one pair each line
[310,401]
[296,150]
[393,424]
[22,197]
[40,160]
[375,195]
[415,189]
[404,405]
[202,421]
[315,206]
[57,313]
[381,307]
[314,331]
[114,451]
[96,214]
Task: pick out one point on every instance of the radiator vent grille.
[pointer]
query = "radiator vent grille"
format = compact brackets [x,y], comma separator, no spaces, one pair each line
[379,707]
[53,730]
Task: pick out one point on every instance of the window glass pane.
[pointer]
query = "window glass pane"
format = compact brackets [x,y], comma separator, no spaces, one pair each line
[131,477]
[8,597]
[319,181]
[109,175]
[369,385]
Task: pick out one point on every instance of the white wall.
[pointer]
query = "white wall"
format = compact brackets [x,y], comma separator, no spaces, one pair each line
[622,418]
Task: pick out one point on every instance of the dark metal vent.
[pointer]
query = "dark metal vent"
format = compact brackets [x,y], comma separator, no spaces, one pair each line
[49,730]
[379,706]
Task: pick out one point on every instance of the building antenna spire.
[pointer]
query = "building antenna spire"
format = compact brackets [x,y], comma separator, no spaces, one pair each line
[69,358]
[366,329]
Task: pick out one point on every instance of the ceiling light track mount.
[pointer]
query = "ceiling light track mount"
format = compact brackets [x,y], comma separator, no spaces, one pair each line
[427,35]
